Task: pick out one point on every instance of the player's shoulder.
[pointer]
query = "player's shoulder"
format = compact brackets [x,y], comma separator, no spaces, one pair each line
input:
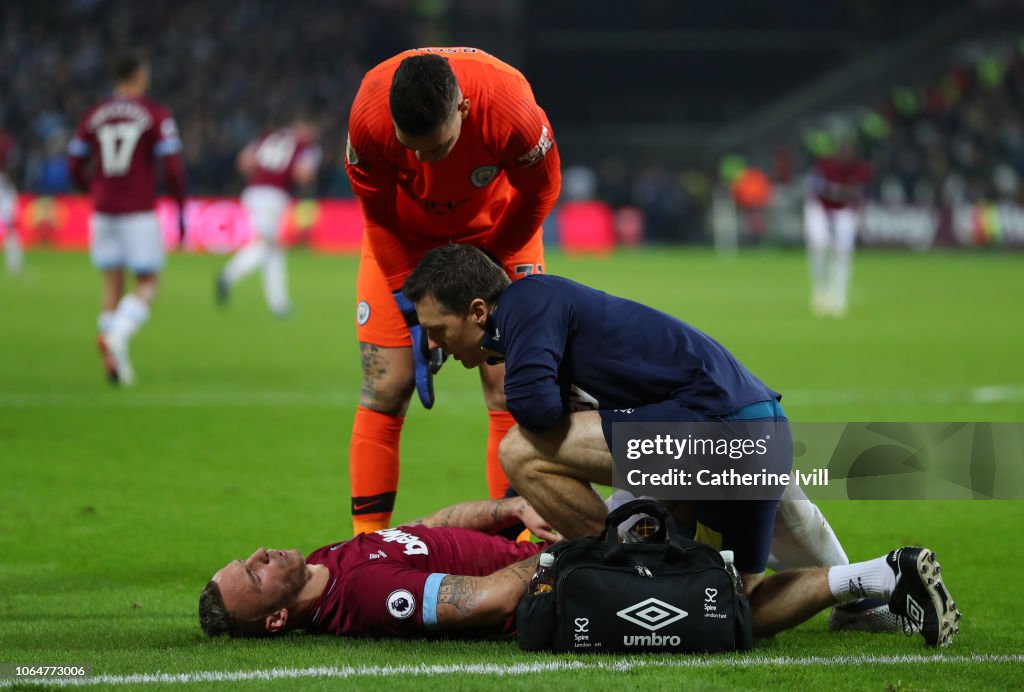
[492,82]
[370,115]
[537,289]
[478,63]
[467,57]
[505,102]
[157,109]
[375,87]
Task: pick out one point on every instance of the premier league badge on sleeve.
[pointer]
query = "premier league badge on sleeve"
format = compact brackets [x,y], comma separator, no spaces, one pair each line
[401,604]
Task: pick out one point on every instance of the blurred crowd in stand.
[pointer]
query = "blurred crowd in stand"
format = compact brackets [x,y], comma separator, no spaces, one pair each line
[958,139]
[229,70]
[232,69]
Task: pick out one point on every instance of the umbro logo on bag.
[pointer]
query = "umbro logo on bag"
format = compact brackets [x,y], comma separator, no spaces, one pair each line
[652,614]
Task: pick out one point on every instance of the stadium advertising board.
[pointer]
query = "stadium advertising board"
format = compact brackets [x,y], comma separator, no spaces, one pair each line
[220,225]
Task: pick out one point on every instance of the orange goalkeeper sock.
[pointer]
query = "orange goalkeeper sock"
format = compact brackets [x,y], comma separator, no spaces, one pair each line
[373,469]
[500,422]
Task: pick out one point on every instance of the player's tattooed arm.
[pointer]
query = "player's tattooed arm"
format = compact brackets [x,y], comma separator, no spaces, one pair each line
[459,595]
[489,516]
[483,601]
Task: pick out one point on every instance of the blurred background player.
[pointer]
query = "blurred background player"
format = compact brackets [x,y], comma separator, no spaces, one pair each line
[122,137]
[273,165]
[13,257]
[445,145]
[831,216]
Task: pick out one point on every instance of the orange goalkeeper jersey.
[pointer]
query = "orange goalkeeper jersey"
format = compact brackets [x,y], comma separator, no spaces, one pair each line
[493,190]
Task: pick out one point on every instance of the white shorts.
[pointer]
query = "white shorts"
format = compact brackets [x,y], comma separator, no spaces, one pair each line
[8,201]
[266,205]
[830,228]
[133,241]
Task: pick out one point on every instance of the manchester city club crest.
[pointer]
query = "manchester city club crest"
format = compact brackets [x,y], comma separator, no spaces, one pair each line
[482,177]
[350,152]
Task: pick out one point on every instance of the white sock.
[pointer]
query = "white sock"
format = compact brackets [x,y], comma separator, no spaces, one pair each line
[802,536]
[841,278]
[247,260]
[132,313]
[871,579]
[818,269]
[275,281]
[619,498]
[13,256]
[105,321]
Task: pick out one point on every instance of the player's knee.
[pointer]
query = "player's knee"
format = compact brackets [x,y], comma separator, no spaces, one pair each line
[515,453]
[392,401]
[147,287]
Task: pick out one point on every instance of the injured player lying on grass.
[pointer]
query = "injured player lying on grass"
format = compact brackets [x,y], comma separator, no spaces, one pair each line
[449,573]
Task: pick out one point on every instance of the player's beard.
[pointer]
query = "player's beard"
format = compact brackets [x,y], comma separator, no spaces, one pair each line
[295,581]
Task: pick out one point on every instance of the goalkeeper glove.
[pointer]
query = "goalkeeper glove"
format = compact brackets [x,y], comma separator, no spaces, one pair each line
[427,361]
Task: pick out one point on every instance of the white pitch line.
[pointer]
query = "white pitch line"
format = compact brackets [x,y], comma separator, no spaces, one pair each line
[997,393]
[513,669]
[136,399]
[989,394]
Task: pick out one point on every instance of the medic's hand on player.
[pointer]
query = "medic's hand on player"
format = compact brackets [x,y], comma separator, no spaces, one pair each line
[427,361]
[536,523]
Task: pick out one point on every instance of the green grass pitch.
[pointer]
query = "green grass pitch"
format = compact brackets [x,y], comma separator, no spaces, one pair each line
[117,505]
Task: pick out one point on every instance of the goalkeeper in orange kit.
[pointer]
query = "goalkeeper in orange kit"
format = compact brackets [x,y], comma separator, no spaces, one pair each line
[445,145]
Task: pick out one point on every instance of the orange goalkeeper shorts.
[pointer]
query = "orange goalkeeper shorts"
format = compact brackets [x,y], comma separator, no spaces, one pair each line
[378,320]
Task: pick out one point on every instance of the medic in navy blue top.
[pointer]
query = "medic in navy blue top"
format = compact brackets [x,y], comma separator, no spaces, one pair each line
[565,344]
